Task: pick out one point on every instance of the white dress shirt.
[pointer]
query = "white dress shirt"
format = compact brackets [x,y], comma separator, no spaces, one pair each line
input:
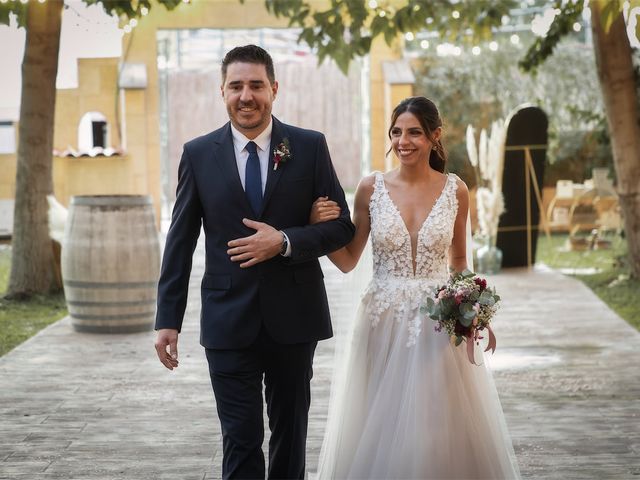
[263,143]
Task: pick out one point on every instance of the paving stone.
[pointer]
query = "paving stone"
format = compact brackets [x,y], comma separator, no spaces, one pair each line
[101,407]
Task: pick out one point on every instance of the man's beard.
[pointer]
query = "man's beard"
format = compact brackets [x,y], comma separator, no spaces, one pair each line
[244,123]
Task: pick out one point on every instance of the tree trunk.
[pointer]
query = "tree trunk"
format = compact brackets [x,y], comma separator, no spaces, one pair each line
[615,71]
[32,261]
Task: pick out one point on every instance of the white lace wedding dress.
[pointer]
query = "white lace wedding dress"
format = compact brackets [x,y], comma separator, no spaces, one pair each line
[406,403]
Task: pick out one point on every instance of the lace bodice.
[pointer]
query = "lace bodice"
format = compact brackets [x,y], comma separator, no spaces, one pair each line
[392,255]
[394,283]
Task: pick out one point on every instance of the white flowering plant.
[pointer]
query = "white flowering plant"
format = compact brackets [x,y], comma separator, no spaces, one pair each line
[487,159]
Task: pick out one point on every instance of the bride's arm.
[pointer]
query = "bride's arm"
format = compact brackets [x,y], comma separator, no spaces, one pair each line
[347,257]
[458,249]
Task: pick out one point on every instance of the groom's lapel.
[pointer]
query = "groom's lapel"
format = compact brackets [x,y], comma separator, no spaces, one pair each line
[278,132]
[225,158]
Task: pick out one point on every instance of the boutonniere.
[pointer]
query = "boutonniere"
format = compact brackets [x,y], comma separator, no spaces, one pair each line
[281,153]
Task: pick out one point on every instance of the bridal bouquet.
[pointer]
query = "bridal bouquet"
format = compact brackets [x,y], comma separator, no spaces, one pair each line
[464,307]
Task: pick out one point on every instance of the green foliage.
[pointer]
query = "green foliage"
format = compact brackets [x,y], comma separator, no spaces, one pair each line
[477,90]
[18,9]
[562,24]
[555,252]
[346,28]
[618,291]
[131,8]
[21,320]
[126,8]
[611,282]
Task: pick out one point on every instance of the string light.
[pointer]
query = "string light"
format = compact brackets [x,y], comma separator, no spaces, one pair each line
[127,28]
[409,36]
[133,22]
[577,27]
[373,4]
[493,46]
[382,13]
[476,50]
[455,14]
[144,11]
[424,44]
[515,39]
[90,24]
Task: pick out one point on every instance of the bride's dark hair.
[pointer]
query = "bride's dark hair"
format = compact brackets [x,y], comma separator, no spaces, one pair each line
[427,114]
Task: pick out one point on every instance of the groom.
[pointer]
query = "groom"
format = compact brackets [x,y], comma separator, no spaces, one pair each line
[251,185]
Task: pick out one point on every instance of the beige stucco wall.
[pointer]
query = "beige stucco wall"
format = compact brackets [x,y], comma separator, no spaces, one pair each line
[7,176]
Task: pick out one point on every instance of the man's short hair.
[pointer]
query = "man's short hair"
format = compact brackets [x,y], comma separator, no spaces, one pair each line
[249,54]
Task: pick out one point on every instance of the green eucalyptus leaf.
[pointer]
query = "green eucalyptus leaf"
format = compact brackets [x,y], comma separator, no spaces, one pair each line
[486,299]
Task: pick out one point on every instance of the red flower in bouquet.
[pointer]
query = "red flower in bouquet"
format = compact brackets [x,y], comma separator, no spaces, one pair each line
[463,308]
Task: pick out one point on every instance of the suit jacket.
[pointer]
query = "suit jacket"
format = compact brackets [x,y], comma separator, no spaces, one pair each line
[287,295]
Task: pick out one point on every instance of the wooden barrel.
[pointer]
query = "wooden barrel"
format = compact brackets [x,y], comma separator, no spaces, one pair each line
[110,263]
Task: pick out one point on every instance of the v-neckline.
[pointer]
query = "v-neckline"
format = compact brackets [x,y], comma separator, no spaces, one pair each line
[414,259]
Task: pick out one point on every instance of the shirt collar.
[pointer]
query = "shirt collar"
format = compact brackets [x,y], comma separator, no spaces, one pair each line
[262,141]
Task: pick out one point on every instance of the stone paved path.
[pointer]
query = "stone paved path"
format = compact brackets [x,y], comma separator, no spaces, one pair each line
[83,406]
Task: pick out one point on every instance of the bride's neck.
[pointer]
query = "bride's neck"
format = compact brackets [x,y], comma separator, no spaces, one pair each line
[416,173]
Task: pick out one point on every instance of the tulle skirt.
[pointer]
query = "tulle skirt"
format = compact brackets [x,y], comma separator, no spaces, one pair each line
[407,404]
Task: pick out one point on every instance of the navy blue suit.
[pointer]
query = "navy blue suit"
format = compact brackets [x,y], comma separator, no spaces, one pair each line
[256,320]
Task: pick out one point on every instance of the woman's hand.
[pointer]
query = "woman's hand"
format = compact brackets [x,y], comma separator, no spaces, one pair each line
[323,210]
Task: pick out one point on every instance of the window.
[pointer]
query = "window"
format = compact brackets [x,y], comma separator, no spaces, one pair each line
[93,132]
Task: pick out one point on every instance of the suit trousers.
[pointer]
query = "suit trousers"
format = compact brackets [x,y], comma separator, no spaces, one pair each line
[237,379]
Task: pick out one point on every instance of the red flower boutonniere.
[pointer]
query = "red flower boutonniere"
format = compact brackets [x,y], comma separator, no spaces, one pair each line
[281,153]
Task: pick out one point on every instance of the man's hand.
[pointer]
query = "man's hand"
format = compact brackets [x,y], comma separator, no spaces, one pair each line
[167,337]
[266,243]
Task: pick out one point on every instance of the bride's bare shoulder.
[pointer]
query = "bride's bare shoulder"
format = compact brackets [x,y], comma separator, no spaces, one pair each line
[367,182]
[365,187]
[462,188]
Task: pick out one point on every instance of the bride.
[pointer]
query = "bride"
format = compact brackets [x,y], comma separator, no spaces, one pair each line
[407,403]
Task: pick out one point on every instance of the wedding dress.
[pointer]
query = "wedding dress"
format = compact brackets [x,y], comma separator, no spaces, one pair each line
[406,403]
